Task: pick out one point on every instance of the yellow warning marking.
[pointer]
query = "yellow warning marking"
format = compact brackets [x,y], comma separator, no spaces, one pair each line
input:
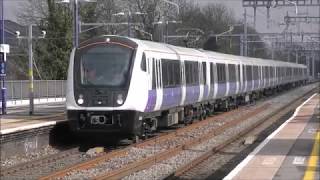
[313,160]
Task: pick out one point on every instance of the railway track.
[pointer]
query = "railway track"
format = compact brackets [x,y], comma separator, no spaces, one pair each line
[36,163]
[120,163]
[157,149]
[189,170]
[196,155]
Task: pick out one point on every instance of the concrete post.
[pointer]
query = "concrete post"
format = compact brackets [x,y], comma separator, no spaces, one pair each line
[313,65]
[31,90]
[241,45]
[245,33]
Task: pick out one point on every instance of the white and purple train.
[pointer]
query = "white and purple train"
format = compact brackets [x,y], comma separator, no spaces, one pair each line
[128,86]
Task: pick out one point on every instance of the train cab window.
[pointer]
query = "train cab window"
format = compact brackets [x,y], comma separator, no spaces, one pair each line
[192,72]
[170,73]
[232,72]
[211,73]
[105,65]
[144,63]
[249,72]
[221,69]
[204,72]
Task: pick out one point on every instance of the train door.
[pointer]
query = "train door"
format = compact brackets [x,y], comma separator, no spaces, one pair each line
[227,79]
[204,81]
[241,82]
[201,78]
[271,75]
[215,80]
[159,85]
[265,76]
[237,79]
[244,75]
[277,75]
[183,82]
[260,79]
[152,94]
[212,81]
[149,68]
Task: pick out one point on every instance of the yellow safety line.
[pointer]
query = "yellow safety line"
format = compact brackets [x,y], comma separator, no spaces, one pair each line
[313,160]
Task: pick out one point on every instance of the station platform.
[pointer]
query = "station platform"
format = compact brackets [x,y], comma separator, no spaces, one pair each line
[18,118]
[291,152]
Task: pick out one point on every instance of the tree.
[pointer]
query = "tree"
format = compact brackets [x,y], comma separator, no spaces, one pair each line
[53,52]
[51,55]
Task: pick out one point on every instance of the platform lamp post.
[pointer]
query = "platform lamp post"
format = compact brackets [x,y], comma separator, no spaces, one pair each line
[30,38]
[4,49]
[76,23]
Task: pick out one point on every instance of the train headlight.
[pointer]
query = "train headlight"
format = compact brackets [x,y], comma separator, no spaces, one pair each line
[120,99]
[80,99]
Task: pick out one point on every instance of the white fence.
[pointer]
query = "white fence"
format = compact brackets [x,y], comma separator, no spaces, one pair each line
[19,90]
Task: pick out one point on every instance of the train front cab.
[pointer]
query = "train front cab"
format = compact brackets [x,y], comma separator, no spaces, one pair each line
[99,78]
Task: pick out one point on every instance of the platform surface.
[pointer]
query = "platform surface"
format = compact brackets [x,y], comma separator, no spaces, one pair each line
[18,118]
[291,152]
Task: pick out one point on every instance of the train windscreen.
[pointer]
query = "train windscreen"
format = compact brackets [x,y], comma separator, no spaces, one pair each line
[105,65]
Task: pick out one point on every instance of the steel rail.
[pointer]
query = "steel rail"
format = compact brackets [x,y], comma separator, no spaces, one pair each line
[37,162]
[147,162]
[158,139]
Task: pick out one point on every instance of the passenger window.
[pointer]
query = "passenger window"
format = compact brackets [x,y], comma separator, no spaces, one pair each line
[144,63]
[192,73]
[211,74]
[221,68]
[232,72]
[249,72]
[171,73]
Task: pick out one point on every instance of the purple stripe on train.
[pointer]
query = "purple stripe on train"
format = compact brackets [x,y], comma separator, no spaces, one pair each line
[152,99]
[249,85]
[256,84]
[243,87]
[222,88]
[171,97]
[192,94]
[211,93]
[232,88]
[206,92]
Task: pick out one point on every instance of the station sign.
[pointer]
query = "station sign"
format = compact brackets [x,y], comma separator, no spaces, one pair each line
[2,65]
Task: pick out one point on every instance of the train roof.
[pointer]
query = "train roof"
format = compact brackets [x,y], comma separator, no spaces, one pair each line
[167,48]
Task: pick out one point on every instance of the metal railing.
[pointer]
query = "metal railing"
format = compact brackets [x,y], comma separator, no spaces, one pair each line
[19,89]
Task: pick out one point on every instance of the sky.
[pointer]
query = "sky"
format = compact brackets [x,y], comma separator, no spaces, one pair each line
[277,14]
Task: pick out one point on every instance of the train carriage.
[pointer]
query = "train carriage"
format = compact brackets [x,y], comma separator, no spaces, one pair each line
[128,86]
